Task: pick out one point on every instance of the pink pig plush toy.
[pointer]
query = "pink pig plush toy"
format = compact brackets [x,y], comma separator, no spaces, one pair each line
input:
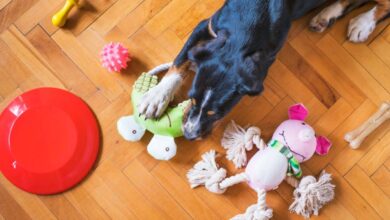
[293,142]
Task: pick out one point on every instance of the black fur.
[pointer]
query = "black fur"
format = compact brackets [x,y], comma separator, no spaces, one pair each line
[250,34]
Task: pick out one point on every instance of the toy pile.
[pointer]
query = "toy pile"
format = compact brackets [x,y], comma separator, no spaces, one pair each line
[293,142]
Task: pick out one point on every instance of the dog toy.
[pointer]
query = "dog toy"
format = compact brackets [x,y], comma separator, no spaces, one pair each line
[357,136]
[59,18]
[165,129]
[114,57]
[293,142]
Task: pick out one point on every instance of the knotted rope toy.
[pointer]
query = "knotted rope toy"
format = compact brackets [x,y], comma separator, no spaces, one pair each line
[293,142]
[165,129]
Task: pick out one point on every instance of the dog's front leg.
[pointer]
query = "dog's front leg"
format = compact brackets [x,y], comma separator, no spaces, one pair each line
[156,100]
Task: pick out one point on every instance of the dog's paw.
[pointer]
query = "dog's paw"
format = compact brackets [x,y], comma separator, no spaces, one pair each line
[362,26]
[326,17]
[155,101]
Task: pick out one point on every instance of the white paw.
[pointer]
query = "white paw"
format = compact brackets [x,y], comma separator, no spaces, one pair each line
[156,100]
[362,26]
[326,17]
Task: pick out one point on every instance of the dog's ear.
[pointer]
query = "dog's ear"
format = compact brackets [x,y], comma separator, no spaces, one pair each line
[205,49]
[253,74]
[250,86]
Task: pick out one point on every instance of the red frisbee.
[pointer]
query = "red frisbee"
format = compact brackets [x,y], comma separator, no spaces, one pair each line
[49,140]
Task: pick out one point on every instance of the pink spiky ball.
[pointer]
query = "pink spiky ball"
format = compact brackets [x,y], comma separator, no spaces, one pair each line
[114,57]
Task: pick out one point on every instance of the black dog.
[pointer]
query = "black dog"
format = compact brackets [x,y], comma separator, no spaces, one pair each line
[232,52]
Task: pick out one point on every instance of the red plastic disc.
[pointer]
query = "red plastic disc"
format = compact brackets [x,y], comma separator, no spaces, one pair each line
[49,140]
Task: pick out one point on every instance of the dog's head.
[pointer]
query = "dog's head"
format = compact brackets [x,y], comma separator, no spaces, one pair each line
[224,75]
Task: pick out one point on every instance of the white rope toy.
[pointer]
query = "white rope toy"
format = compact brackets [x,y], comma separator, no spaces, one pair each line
[258,211]
[320,192]
[207,173]
[309,196]
[272,164]
[236,141]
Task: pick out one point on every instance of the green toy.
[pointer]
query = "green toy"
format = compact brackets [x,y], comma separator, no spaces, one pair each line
[165,129]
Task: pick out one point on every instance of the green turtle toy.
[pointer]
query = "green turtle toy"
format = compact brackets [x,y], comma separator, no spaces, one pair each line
[165,129]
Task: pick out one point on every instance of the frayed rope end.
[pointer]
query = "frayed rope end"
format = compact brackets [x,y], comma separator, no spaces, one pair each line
[236,140]
[311,195]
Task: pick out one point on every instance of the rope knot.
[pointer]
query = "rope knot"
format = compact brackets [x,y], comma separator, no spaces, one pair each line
[213,184]
[258,211]
[312,194]
[236,140]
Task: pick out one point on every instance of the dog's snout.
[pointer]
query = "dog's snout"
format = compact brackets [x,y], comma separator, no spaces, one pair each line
[191,130]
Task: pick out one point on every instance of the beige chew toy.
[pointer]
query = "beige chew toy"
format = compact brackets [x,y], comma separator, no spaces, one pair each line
[357,136]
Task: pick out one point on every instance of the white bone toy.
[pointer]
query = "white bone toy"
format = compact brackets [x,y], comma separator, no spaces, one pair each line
[357,136]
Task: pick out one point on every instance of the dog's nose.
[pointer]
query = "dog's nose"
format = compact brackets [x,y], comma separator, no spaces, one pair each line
[190,136]
[191,131]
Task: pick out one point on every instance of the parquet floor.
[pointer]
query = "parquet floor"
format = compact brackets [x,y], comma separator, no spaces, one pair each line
[341,83]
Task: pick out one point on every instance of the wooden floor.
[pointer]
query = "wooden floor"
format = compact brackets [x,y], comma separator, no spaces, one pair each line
[341,83]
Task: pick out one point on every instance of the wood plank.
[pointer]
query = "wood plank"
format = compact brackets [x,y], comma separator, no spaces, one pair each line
[333,117]
[381,47]
[377,155]
[103,194]
[382,178]
[141,15]
[9,208]
[4,3]
[181,191]
[272,91]
[350,198]
[85,204]
[35,14]
[88,64]
[347,64]
[64,68]
[328,70]
[371,62]
[30,203]
[128,193]
[12,11]
[387,163]
[153,191]
[113,15]
[369,191]
[30,57]
[167,16]
[191,19]
[61,207]
[289,82]
[308,76]
[12,66]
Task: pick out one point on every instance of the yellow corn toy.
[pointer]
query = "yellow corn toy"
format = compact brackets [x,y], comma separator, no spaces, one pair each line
[60,17]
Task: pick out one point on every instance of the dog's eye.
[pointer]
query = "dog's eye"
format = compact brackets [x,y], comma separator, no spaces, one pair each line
[193,101]
[210,113]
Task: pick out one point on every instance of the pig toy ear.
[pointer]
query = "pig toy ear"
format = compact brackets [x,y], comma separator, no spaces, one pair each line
[298,112]
[323,145]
